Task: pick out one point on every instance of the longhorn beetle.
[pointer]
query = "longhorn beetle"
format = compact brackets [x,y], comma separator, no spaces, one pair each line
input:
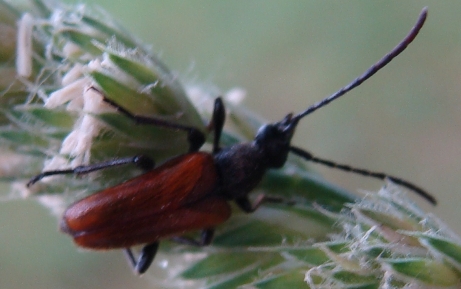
[191,192]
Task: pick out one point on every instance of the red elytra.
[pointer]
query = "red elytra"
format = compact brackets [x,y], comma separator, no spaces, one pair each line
[166,201]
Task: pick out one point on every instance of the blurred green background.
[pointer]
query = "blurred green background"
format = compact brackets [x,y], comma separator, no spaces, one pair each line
[406,120]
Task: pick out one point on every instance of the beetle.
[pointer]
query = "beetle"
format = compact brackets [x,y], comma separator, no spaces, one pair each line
[191,192]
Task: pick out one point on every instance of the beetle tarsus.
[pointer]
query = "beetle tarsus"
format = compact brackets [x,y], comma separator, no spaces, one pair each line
[145,258]
[46,174]
[142,161]
[217,123]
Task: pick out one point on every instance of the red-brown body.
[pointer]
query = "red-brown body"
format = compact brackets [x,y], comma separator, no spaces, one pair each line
[167,201]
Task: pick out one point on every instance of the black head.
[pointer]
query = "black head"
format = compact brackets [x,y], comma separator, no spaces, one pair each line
[274,140]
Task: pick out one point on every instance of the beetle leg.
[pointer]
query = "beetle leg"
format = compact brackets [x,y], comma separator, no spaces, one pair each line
[217,123]
[145,258]
[245,204]
[142,161]
[205,239]
[195,137]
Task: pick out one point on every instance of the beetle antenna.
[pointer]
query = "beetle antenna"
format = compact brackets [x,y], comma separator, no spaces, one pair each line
[382,176]
[372,70]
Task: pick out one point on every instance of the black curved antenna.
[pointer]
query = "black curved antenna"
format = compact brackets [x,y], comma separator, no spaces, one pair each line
[377,175]
[372,70]
[356,82]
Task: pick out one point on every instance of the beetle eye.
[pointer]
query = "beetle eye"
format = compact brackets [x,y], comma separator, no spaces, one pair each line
[263,133]
[262,130]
